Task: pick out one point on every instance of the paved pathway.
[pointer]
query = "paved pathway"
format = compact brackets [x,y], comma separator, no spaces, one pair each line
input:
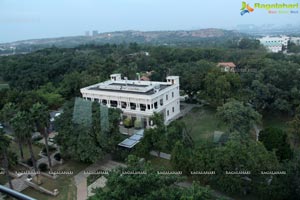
[99,183]
[19,183]
[81,177]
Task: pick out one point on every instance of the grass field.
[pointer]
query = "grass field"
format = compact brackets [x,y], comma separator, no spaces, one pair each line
[3,179]
[202,122]
[160,162]
[64,183]
[14,147]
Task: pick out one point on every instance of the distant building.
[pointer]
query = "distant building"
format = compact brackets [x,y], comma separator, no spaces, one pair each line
[275,44]
[295,40]
[95,33]
[87,33]
[137,99]
[227,66]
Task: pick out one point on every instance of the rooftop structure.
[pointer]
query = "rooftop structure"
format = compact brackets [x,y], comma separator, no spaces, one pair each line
[136,98]
[227,66]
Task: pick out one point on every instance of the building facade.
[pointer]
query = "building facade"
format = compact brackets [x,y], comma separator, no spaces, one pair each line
[136,98]
[275,44]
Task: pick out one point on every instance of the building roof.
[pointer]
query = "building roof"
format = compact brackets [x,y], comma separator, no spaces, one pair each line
[226,64]
[130,86]
[133,140]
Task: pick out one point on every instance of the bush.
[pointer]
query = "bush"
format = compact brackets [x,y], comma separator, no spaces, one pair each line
[127,122]
[137,124]
[29,162]
[43,167]
[57,156]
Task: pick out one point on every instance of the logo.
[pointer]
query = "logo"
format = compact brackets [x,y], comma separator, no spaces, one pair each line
[246,8]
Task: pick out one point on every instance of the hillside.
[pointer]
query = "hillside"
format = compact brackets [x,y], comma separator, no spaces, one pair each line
[202,37]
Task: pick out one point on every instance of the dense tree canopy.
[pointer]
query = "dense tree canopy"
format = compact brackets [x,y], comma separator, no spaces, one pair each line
[150,186]
[239,117]
[276,139]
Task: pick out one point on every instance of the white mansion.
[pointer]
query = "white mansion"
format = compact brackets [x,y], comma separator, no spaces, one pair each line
[136,98]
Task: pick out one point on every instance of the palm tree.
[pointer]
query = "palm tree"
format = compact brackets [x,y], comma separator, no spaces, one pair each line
[4,145]
[27,128]
[8,112]
[17,124]
[40,115]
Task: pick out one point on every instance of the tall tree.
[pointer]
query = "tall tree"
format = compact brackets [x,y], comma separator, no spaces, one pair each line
[238,117]
[158,133]
[294,129]
[8,111]
[149,186]
[220,86]
[24,121]
[40,115]
[4,145]
[17,125]
[276,139]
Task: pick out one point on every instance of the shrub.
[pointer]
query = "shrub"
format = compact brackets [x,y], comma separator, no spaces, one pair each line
[137,124]
[57,156]
[43,167]
[127,122]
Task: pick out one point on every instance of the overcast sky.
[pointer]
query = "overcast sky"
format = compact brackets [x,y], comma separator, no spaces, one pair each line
[30,19]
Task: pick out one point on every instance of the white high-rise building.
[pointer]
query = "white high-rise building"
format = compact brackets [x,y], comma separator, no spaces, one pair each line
[136,98]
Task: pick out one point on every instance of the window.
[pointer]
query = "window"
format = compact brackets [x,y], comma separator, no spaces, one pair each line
[143,107]
[172,94]
[166,97]
[114,104]
[155,105]
[104,102]
[133,106]
[148,106]
[88,98]
[173,109]
[161,102]
[97,100]
[168,113]
[123,104]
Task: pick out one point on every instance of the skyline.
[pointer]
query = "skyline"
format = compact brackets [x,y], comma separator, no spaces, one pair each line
[34,19]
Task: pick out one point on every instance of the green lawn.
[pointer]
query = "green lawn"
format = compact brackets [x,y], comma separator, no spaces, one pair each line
[3,179]
[14,147]
[64,183]
[160,162]
[202,122]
